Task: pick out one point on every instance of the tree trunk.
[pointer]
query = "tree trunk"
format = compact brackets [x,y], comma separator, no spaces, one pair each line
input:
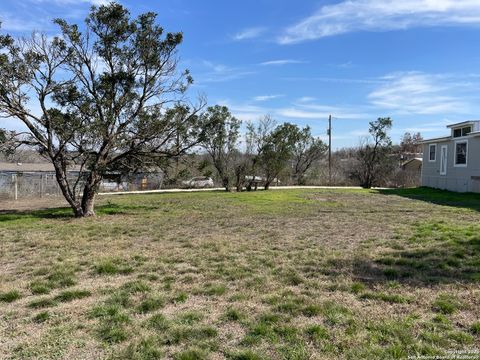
[88,197]
[61,177]
[226,183]
[267,185]
[88,205]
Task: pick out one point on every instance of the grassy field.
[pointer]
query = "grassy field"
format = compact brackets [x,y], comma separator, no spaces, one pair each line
[286,274]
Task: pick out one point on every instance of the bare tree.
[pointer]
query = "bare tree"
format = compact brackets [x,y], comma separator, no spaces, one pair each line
[410,144]
[373,157]
[220,141]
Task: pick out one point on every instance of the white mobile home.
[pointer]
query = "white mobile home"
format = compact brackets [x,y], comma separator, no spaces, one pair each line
[453,162]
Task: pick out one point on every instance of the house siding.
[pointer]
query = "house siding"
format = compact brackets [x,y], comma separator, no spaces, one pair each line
[457,178]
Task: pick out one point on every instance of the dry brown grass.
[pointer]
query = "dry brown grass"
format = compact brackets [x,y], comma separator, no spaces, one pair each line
[294,274]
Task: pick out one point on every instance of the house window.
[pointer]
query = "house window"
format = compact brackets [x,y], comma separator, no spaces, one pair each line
[432,152]
[461,150]
[462,131]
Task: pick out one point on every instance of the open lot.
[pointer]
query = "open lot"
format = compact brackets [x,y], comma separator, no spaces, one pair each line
[286,274]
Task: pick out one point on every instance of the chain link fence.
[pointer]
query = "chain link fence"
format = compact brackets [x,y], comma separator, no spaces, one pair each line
[17,186]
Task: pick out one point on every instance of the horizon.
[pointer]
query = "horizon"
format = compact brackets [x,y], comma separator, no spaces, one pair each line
[412,61]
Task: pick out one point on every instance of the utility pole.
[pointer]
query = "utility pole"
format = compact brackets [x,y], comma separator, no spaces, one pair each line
[329,149]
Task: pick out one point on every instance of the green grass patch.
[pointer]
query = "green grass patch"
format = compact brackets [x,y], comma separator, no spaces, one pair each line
[135,287]
[151,303]
[39,287]
[113,266]
[143,349]
[244,355]
[317,333]
[191,354]
[447,304]
[233,314]
[475,328]
[41,317]
[10,296]
[42,303]
[391,298]
[70,295]
[112,323]
[189,334]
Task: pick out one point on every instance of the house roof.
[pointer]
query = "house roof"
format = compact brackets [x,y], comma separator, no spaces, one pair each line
[412,160]
[428,141]
[462,123]
[29,167]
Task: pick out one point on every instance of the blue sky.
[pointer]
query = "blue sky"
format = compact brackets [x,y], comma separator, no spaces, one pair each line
[417,61]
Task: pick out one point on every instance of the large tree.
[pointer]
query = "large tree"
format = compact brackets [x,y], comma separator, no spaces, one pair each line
[374,162]
[276,150]
[220,141]
[306,150]
[109,95]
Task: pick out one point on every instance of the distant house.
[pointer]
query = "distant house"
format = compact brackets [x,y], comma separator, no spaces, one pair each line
[413,165]
[409,173]
[453,162]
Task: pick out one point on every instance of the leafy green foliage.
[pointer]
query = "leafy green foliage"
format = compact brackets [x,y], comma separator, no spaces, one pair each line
[307,149]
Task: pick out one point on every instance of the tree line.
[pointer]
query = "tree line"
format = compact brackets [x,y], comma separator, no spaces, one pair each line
[268,149]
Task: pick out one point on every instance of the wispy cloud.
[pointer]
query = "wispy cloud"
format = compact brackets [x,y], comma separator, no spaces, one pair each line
[245,111]
[373,15]
[266,97]
[305,99]
[72,2]
[421,93]
[321,112]
[359,81]
[249,33]
[219,72]
[282,62]
[10,22]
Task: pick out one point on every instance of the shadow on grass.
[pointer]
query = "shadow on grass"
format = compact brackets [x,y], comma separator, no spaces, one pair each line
[67,213]
[437,252]
[438,197]
[423,266]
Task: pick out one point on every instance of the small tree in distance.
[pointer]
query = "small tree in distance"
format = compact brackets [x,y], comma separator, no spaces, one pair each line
[220,141]
[110,96]
[373,157]
[277,150]
[306,150]
[410,144]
